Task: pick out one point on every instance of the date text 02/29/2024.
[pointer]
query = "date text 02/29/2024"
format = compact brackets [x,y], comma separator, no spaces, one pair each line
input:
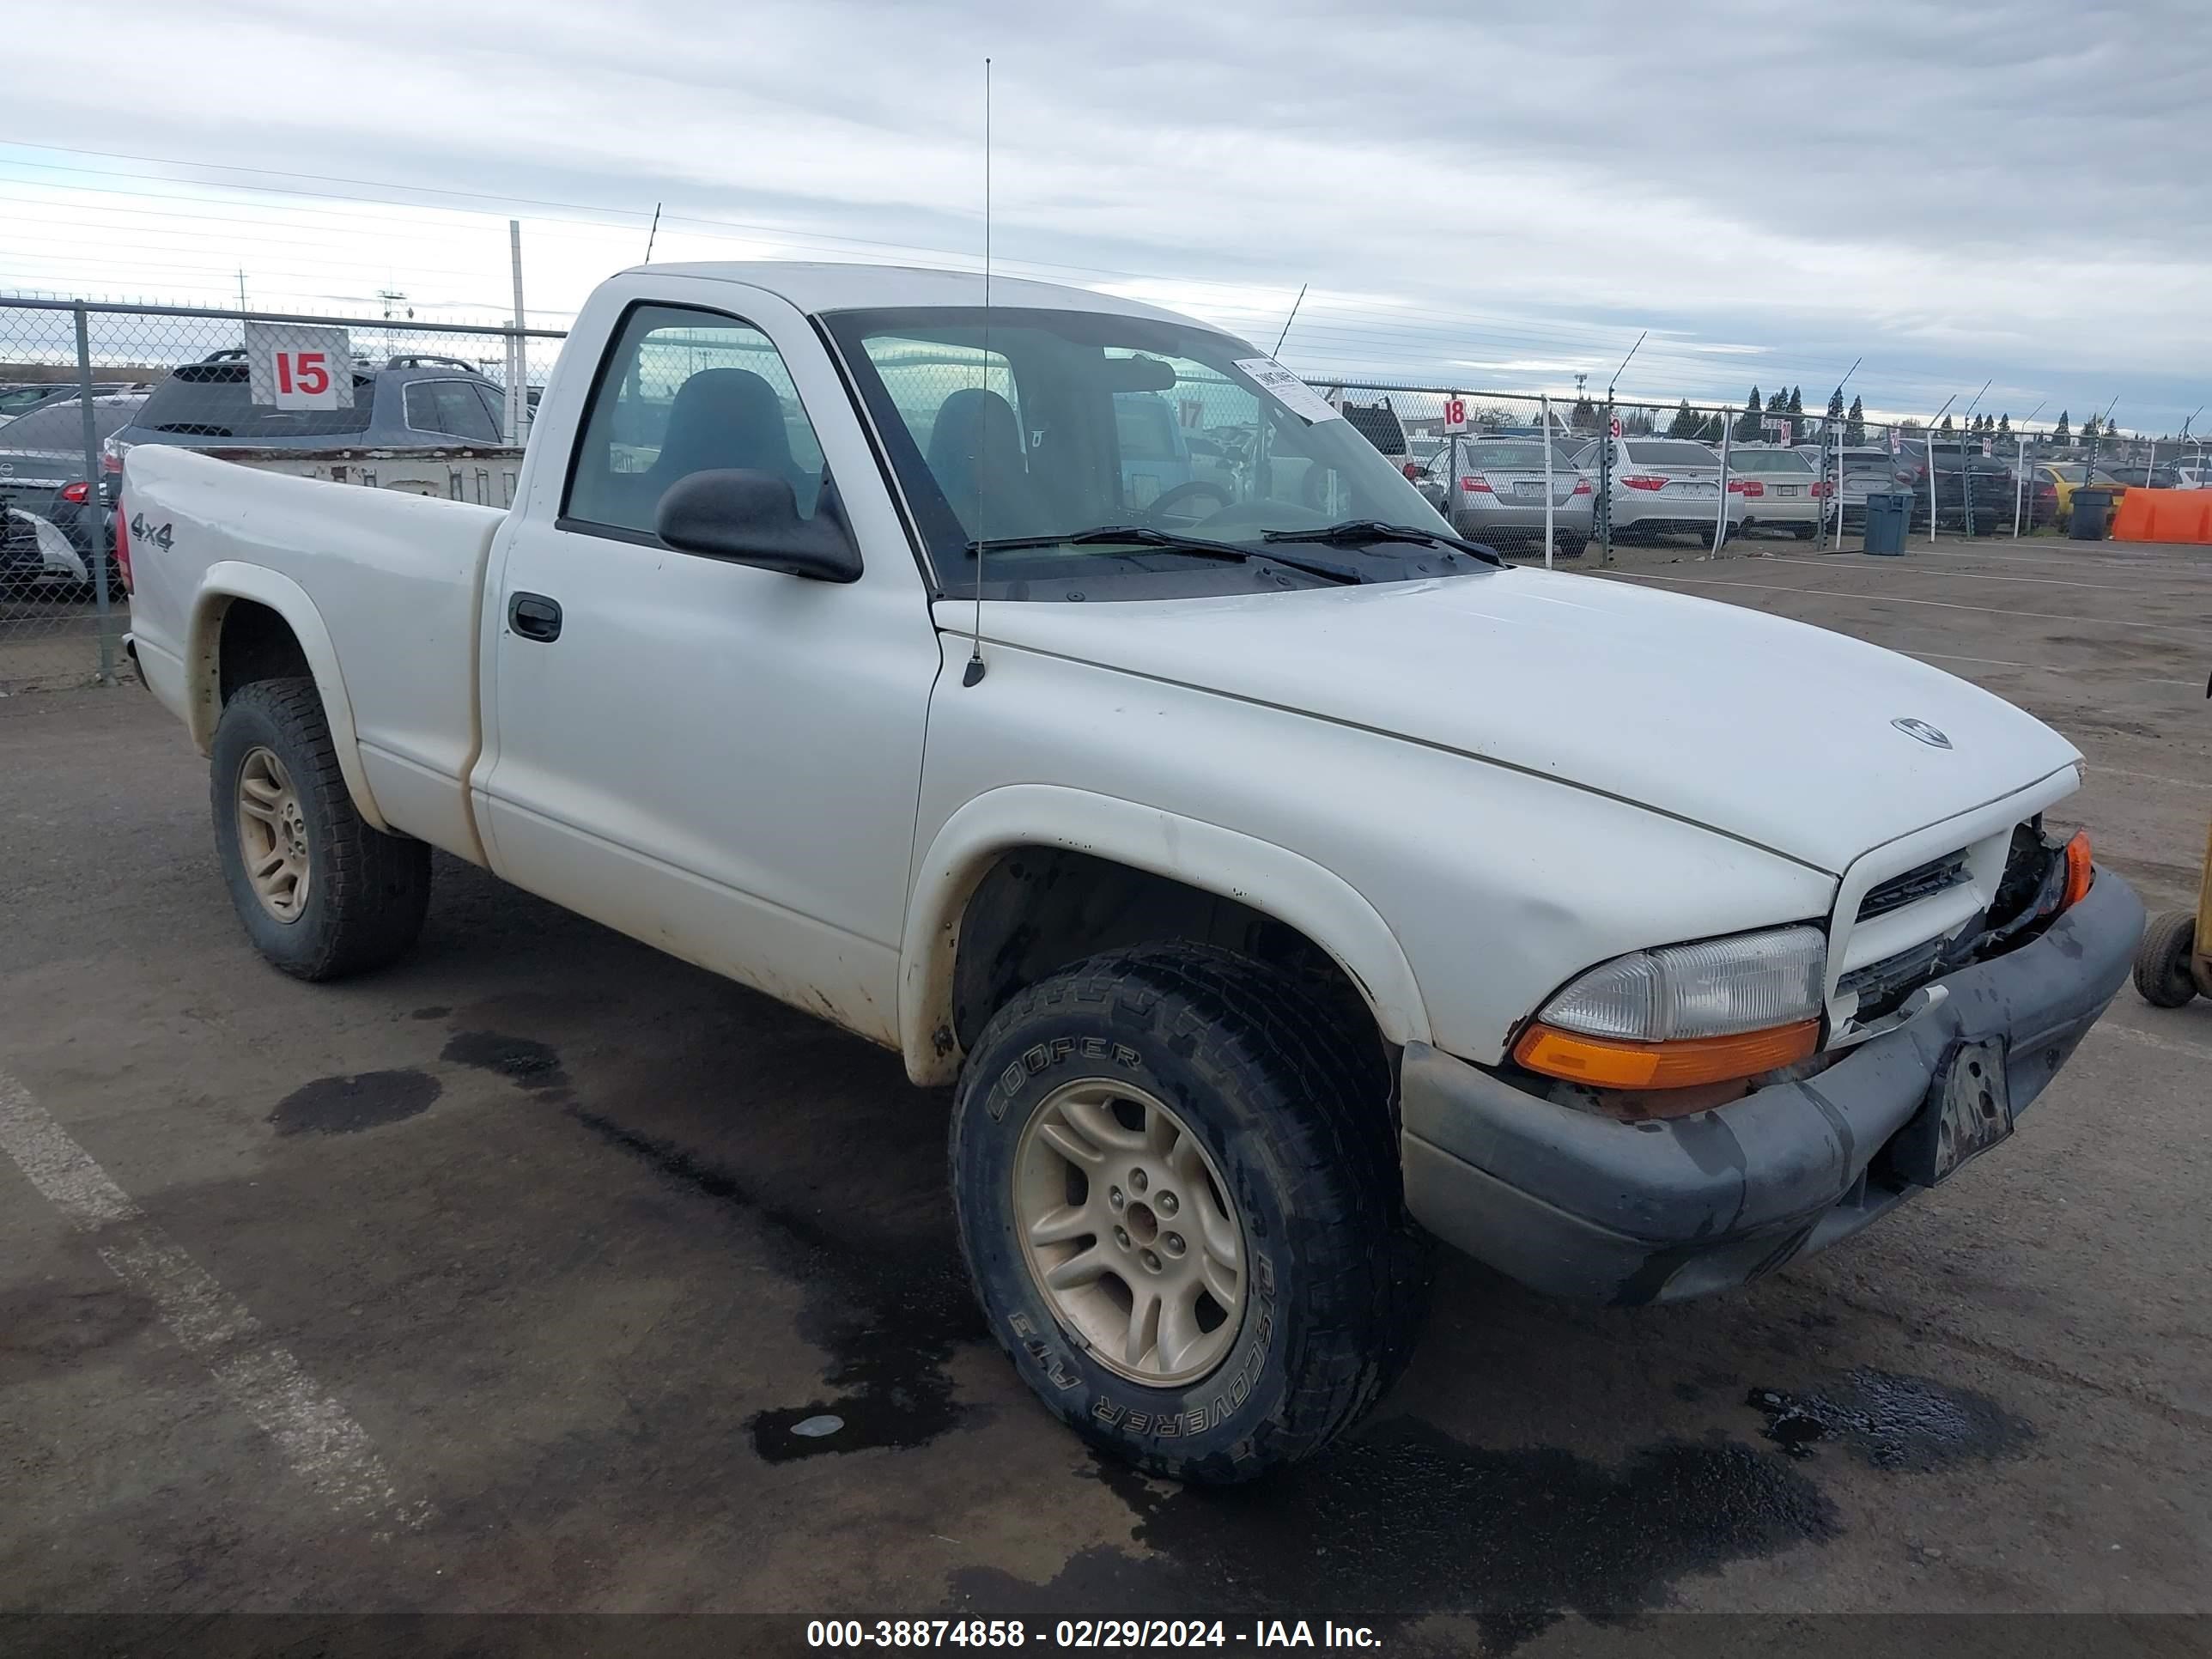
[1123,1634]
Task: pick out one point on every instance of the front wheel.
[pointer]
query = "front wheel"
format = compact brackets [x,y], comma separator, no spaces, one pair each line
[2163,971]
[1177,1192]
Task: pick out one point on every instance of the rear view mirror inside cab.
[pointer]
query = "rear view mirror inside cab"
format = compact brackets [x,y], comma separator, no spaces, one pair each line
[1138,374]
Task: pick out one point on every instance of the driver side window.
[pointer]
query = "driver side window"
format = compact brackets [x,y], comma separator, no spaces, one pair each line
[684,392]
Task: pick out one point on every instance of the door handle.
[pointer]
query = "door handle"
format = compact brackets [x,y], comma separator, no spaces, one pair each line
[534,616]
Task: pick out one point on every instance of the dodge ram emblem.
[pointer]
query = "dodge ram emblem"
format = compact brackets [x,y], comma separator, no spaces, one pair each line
[1920,729]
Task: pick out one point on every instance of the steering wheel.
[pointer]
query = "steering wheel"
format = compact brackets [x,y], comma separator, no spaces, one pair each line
[1184,492]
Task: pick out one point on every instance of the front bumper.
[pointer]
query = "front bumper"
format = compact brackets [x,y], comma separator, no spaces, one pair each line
[1586,1207]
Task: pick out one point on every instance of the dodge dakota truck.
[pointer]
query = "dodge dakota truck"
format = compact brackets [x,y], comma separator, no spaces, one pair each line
[1283,882]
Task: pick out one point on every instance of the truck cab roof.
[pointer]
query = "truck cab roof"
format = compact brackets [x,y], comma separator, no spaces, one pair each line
[817,286]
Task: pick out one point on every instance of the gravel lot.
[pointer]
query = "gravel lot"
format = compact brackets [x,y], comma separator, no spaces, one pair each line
[496,1282]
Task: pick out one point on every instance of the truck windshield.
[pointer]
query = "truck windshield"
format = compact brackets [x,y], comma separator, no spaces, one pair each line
[1061,422]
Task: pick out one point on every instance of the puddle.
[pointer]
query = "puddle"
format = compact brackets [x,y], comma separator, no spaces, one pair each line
[888,1319]
[523,1061]
[1405,1523]
[1891,1422]
[347,1105]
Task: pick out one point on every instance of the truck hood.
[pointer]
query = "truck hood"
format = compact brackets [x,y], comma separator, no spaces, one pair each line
[1774,731]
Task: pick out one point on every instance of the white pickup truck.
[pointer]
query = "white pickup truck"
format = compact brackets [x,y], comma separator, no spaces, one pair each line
[1281,881]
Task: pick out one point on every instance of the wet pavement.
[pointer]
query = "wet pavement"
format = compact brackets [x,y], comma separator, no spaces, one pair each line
[575,1247]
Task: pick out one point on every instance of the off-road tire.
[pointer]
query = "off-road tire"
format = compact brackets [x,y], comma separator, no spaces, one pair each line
[367,892]
[2163,974]
[1294,1109]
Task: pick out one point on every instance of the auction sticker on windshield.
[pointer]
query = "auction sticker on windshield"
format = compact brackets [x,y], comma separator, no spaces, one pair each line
[1294,394]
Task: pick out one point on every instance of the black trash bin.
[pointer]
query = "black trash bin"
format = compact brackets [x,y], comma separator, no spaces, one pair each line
[1887,514]
[2090,508]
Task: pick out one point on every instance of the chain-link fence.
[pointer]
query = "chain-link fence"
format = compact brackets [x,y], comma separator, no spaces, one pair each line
[444,410]
[1721,479]
[385,403]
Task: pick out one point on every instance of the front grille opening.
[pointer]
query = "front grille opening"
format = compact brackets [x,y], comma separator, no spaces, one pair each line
[1880,986]
[2026,899]
[1922,881]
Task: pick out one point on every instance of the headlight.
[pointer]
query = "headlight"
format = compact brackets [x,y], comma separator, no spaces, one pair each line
[1717,989]
[1710,1012]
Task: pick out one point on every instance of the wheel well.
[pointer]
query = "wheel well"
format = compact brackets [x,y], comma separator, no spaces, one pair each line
[1039,910]
[255,643]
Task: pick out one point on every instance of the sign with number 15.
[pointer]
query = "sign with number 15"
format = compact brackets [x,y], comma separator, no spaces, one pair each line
[299,366]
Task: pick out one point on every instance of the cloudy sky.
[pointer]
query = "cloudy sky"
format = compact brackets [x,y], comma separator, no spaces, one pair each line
[1483,194]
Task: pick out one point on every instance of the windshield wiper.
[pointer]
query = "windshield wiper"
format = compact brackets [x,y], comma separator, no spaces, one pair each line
[1142,535]
[1360,532]
[1146,535]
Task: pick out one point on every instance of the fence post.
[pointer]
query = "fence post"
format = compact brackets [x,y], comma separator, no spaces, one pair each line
[1720,525]
[1932,490]
[1546,423]
[2019,485]
[1836,488]
[1605,480]
[95,515]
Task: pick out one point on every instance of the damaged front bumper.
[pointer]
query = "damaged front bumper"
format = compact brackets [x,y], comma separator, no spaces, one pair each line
[1580,1205]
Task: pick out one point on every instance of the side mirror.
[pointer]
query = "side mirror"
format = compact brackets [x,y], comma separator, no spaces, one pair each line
[752,518]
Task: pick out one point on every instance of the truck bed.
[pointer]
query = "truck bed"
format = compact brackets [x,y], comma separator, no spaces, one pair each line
[383,582]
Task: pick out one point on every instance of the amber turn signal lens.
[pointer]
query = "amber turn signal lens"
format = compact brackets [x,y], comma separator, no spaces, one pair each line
[2081,870]
[1611,1063]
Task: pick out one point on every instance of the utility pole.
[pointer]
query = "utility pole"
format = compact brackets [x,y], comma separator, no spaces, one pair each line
[517,357]
[241,291]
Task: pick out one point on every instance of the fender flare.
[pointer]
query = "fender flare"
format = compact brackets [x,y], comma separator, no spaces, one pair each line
[228,579]
[1286,885]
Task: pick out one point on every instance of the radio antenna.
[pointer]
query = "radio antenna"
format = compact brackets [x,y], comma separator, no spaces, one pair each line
[653,233]
[1288,320]
[975,672]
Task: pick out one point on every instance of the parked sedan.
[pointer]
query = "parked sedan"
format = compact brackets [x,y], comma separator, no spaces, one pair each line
[54,521]
[1665,486]
[1973,494]
[2067,476]
[22,397]
[1867,468]
[1782,489]
[1496,494]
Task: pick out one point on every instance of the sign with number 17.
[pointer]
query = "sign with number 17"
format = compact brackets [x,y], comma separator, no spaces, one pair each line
[299,366]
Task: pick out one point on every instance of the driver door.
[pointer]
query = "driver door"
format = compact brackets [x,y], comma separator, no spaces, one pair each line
[721,761]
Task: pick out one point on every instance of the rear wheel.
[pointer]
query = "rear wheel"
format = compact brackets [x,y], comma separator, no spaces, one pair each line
[321,894]
[1571,547]
[1804,532]
[2164,974]
[1177,1192]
